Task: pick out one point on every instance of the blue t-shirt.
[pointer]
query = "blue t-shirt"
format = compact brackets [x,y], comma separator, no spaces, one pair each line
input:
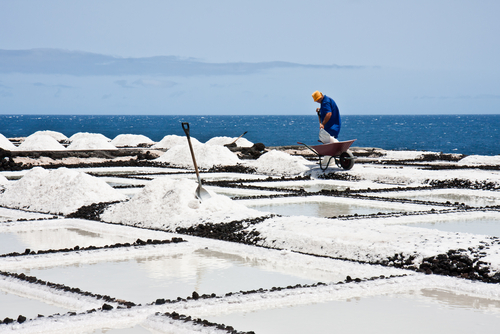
[333,125]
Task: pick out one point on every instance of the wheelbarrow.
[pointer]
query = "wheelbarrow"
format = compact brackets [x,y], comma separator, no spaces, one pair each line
[337,151]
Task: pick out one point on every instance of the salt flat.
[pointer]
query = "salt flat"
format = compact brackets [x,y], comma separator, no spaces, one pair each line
[90,217]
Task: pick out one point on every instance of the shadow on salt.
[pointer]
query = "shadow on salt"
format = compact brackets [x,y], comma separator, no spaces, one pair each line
[12,306]
[321,206]
[427,310]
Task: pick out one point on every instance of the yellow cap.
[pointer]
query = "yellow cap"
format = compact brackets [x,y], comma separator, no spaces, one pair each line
[316,96]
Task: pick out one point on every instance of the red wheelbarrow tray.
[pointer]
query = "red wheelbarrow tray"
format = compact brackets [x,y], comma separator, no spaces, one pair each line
[332,149]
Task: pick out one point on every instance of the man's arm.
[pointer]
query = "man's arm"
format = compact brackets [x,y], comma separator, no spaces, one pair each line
[325,121]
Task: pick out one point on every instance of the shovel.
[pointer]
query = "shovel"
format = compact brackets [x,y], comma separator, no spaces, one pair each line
[201,193]
[234,141]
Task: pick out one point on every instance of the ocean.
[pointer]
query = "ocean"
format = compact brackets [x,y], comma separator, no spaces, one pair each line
[465,134]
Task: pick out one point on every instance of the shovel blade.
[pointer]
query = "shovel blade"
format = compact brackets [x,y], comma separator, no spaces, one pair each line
[201,193]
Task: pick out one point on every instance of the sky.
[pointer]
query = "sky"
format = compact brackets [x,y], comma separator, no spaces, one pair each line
[249,57]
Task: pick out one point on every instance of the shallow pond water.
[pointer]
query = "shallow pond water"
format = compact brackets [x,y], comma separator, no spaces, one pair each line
[143,280]
[475,198]
[132,330]
[56,238]
[237,192]
[318,207]
[7,215]
[12,306]
[427,311]
[480,226]
[317,185]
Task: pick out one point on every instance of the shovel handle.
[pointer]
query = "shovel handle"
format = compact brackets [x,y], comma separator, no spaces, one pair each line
[185,127]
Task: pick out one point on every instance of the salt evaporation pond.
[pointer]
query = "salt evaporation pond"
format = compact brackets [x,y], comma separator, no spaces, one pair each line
[315,206]
[143,280]
[425,311]
[12,306]
[475,198]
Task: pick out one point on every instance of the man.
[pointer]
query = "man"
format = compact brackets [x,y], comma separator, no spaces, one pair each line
[329,116]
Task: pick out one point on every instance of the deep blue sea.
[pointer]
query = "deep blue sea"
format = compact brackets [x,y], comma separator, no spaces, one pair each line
[466,134]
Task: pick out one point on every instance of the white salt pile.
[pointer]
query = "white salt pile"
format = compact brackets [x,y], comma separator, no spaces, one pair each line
[91,143]
[6,144]
[40,143]
[54,134]
[280,163]
[206,156]
[242,142]
[480,160]
[173,140]
[57,191]
[168,203]
[80,135]
[127,140]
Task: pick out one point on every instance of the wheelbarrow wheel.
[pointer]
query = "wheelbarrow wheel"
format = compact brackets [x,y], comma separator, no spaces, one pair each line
[346,160]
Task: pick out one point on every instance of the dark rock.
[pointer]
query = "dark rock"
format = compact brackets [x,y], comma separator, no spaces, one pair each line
[92,211]
[107,307]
